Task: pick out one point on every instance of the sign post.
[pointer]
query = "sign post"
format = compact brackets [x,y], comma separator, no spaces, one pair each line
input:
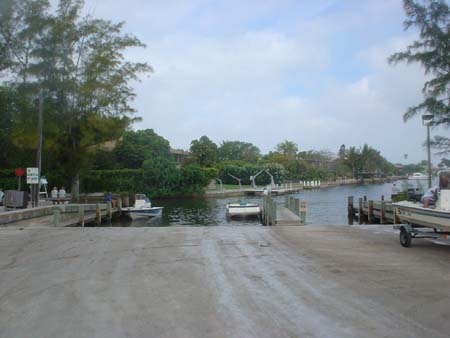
[19,173]
[33,180]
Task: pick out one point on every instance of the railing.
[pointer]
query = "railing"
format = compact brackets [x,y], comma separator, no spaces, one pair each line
[297,207]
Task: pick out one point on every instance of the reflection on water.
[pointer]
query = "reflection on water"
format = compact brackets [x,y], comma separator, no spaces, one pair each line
[325,206]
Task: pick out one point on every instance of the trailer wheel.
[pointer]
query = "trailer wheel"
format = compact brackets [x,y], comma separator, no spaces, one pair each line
[405,238]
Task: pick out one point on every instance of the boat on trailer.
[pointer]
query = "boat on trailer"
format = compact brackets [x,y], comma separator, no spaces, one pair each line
[242,209]
[418,221]
[143,208]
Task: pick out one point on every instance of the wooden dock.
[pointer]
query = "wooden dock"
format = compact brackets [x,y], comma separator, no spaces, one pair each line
[370,211]
[61,215]
[293,212]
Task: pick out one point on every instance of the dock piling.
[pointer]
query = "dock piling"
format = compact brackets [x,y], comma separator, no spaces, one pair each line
[98,214]
[56,216]
[303,208]
[119,206]
[370,212]
[360,211]
[350,210]
[109,210]
[383,211]
[297,207]
[81,215]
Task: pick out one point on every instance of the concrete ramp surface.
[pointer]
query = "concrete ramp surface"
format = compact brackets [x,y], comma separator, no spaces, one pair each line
[220,282]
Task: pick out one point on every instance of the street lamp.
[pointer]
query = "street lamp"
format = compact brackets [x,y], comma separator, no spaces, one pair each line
[427,120]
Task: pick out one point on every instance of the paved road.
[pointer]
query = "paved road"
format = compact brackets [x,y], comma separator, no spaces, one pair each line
[221,282]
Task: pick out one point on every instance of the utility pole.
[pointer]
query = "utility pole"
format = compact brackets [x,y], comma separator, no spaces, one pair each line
[39,148]
[429,155]
[427,120]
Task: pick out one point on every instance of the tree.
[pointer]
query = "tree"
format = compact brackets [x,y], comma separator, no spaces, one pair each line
[161,176]
[80,65]
[6,126]
[432,51]
[353,160]
[236,150]
[204,151]
[341,152]
[444,164]
[287,148]
[137,146]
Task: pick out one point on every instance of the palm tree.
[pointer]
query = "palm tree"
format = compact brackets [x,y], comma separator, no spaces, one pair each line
[287,148]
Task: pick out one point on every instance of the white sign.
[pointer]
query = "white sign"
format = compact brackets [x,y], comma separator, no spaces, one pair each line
[32,175]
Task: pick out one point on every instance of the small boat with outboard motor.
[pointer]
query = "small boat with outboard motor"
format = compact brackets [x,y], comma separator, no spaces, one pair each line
[143,208]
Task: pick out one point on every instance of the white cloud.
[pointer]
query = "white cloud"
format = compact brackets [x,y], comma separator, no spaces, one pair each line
[312,72]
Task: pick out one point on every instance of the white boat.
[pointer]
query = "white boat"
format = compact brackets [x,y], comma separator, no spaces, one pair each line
[242,209]
[418,176]
[143,208]
[413,215]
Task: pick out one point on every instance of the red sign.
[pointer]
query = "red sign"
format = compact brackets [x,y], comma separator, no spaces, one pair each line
[20,172]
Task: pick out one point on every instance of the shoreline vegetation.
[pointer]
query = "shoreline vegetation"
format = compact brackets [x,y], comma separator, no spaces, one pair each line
[143,161]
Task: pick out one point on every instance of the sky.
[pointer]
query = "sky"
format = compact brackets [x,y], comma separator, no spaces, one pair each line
[265,71]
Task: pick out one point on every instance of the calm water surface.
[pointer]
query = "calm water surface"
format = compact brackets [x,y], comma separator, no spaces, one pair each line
[325,206]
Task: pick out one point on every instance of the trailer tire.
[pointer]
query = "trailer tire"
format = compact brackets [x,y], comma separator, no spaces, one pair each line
[405,238]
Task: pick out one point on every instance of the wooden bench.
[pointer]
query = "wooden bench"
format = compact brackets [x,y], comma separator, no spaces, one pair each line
[61,200]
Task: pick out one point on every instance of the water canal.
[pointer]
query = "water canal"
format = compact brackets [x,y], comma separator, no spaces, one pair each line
[325,206]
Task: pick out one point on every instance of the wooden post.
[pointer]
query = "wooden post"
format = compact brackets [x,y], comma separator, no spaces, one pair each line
[81,215]
[360,211]
[126,200]
[370,212]
[383,212]
[303,208]
[56,216]
[269,211]
[263,218]
[396,218]
[98,214]
[297,207]
[274,212]
[365,198]
[382,197]
[350,210]
[119,205]
[109,210]
[286,201]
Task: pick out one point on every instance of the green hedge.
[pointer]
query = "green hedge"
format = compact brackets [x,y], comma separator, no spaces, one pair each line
[9,183]
[7,173]
[8,179]
[155,179]
[120,180]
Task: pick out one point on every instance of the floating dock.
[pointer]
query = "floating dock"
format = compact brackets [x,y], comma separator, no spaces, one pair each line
[293,212]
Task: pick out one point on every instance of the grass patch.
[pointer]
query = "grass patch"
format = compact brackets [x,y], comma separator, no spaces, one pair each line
[233,186]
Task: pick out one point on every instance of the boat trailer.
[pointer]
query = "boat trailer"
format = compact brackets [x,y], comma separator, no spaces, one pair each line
[409,231]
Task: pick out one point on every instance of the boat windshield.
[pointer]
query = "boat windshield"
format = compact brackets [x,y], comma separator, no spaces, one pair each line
[140,197]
